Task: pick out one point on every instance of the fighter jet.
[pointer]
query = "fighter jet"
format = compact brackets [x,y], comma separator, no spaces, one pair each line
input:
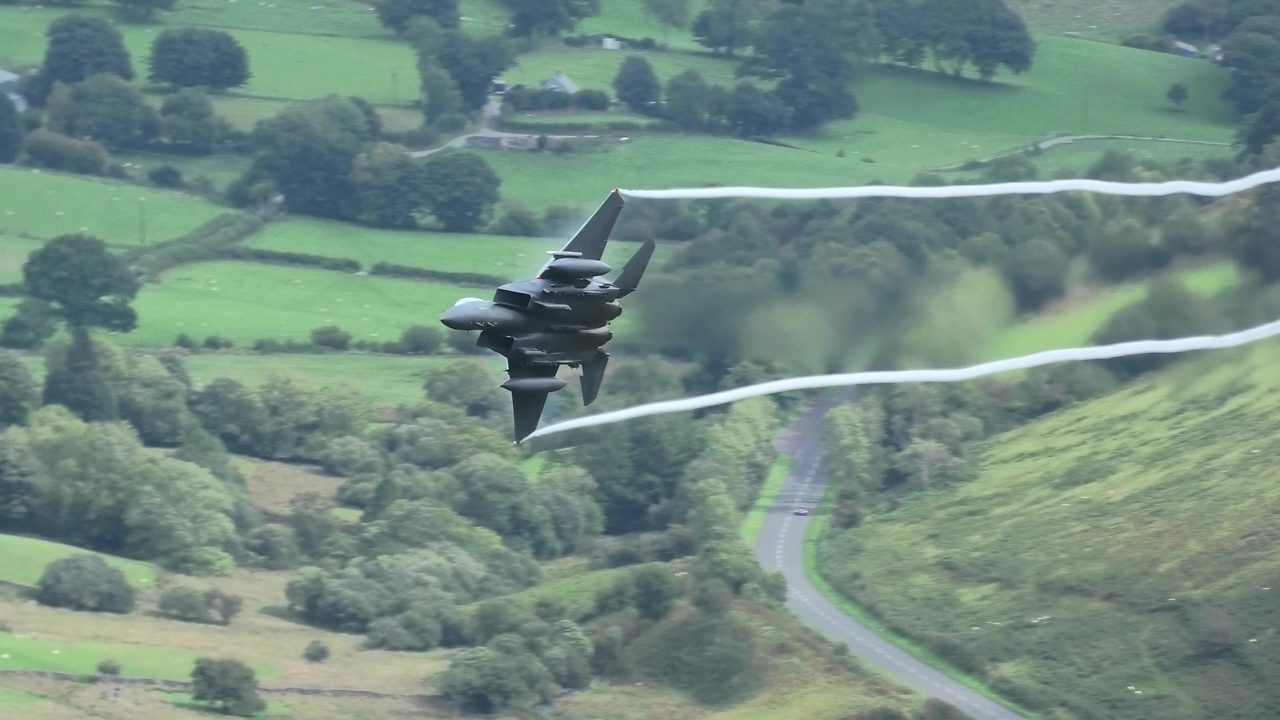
[560,317]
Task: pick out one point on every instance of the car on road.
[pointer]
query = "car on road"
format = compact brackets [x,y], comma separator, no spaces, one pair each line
[800,511]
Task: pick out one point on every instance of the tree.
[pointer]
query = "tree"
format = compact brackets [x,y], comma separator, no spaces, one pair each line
[461,188]
[143,11]
[637,85]
[1178,94]
[1256,246]
[726,24]
[331,336]
[926,463]
[550,17]
[107,109]
[19,391]
[753,112]
[229,685]
[670,14]
[487,679]
[80,46]
[396,14]
[847,451]
[10,130]
[29,326]
[85,582]
[1038,270]
[189,125]
[199,57]
[392,186]
[655,591]
[87,287]
[308,150]
[473,63]
[109,667]
[688,100]
[809,50]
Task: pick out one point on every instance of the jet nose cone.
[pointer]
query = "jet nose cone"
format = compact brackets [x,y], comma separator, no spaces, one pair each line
[462,316]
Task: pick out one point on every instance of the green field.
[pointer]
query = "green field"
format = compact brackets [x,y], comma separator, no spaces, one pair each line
[1073,324]
[1099,19]
[381,378]
[595,68]
[245,301]
[14,697]
[45,205]
[1141,525]
[19,652]
[13,253]
[23,560]
[221,170]
[500,255]
[755,517]
[284,65]
[1074,86]
[1079,155]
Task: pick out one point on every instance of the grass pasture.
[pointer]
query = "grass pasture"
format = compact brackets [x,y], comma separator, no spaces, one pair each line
[595,68]
[500,255]
[284,64]
[23,652]
[381,378]
[1079,155]
[1073,321]
[13,253]
[23,560]
[1095,19]
[246,301]
[37,204]
[1103,546]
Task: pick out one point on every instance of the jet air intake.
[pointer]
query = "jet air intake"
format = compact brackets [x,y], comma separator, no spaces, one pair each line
[571,268]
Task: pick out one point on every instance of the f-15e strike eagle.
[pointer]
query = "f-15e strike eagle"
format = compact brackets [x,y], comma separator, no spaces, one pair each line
[561,317]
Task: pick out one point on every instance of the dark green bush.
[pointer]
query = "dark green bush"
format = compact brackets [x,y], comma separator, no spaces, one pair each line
[85,582]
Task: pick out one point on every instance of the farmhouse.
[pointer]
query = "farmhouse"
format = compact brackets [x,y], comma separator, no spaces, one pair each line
[560,83]
[9,86]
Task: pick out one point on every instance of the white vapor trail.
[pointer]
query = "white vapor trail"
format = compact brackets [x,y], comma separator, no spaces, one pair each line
[1139,347]
[1049,357]
[954,191]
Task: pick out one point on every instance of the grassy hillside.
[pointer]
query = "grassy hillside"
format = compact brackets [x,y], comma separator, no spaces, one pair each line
[284,64]
[1075,319]
[503,256]
[23,560]
[245,301]
[1127,542]
[44,205]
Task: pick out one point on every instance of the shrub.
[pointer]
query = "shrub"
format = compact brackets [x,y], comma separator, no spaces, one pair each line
[55,151]
[331,336]
[185,603]
[228,685]
[238,252]
[85,582]
[166,176]
[184,341]
[215,342]
[316,652]
[109,667]
[593,100]
[420,340]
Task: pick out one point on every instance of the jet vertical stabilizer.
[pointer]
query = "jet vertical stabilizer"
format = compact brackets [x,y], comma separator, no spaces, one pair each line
[592,375]
[629,279]
[594,233]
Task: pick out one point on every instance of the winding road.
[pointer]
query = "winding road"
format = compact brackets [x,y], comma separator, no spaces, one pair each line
[781,547]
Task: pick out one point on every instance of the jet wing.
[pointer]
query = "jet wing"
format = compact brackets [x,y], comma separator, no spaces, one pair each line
[591,238]
[530,384]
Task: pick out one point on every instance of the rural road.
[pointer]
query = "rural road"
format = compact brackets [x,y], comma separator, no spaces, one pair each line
[781,547]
